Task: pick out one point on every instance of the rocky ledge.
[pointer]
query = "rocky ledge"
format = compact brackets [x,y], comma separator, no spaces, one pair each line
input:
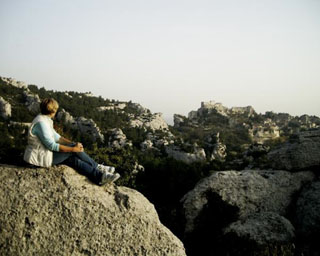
[56,211]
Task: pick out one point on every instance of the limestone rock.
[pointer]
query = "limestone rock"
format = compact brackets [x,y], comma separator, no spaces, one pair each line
[263,228]
[84,125]
[178,119]
[301,152]
[197,155]
[14,82]
[262,234]
[56,211]
[5,108]
[308,210]
[118,139]
[32,101]
[146,145]
[250,191]
[153,122]
[114,106]
[217,149]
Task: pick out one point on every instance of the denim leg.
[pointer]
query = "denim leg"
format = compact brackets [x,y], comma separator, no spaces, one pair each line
[84,168]
[84,157]
[59,157]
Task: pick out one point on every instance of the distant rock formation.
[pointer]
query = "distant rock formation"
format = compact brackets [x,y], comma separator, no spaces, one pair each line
[14,82]
[56,211]
[32,101]
[84,125]
[153,122]
[217,149]
[118,139]
[302,151]
[113,106]
[5,108]
[208,107]
[260,133]
[197,155]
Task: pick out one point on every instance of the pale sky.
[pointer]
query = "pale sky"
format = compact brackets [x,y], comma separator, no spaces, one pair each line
[169,55]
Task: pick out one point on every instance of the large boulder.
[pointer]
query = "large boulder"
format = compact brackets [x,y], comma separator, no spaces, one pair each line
[5,108]
[249,198]
[56,211]
[301,152]
[261,234]
[308,210]
[307,219]
[249,191]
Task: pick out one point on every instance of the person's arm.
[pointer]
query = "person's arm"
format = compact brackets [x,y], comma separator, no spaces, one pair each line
[42,131]
[77,148]
[65,141]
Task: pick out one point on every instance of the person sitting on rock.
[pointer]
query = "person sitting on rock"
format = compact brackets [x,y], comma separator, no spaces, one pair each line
[46,148]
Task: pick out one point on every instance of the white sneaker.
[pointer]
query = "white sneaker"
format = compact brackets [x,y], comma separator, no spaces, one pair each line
[106,178]
[105,168]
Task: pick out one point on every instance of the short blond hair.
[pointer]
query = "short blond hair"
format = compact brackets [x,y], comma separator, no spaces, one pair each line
[48,106]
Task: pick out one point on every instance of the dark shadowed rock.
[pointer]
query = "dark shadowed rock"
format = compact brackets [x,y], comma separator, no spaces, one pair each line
[244,198]
[265,233]
[308,210]
[301,152]
[56,211]
[250,191]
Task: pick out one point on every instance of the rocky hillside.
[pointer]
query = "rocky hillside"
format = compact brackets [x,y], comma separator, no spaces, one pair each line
[249,180]
[56,211]
[259,212]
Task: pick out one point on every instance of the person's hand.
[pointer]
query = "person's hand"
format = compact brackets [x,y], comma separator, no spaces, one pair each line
[78,147]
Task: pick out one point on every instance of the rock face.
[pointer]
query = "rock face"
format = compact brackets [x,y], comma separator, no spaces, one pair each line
[197,155]
[56,211]
[118,139]
[84,125]
[32,102]
[208,107]
[218,149]
[14,82]
[249,190]
[308,210]
[5,108]
[280,230]
[229,202]
[301,152]
[266,233]
[153,122]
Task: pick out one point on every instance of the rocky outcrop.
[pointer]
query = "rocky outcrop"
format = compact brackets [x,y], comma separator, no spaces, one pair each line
[118,139]
[115,106]
[210,106]
[302,151]
[178,119]
[216,148]
[307,219]
[5,108]
[175,152]
[265,233]
[261,133]
[250,191]
[56,211]
[237,205]
[84,125]
[308,211]
[32,101]
[153,122]
[14,82]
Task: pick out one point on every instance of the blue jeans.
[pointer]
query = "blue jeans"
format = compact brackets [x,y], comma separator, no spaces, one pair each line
[81,162]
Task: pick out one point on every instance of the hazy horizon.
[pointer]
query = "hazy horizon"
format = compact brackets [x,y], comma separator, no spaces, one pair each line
[169,55]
